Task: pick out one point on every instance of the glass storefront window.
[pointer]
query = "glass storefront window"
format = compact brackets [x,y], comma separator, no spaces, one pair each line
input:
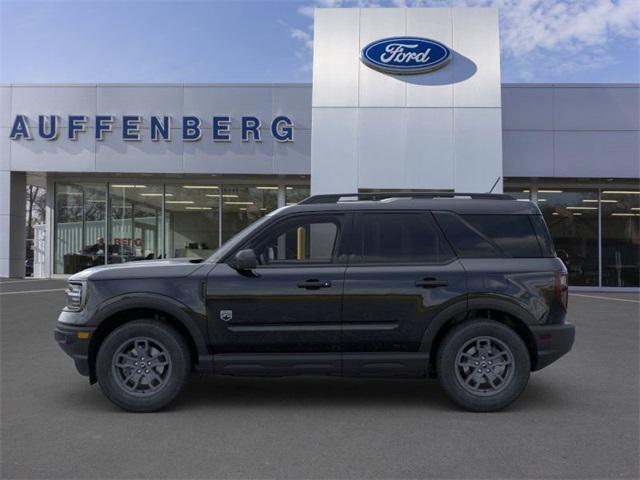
[68,228]
[572,217]
[192,220]
[244,204]
[518,193]
[620,238]
[294,194]
[134,222]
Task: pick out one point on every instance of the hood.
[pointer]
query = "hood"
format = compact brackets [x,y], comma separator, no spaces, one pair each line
[169,268]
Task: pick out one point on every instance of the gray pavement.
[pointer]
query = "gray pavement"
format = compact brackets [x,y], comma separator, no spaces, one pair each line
[577,419]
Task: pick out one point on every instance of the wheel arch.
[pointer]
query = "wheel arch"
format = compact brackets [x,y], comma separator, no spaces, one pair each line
[502,310]
[122,310]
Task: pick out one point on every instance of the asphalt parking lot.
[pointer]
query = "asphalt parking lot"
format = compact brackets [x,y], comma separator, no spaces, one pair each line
[577,419]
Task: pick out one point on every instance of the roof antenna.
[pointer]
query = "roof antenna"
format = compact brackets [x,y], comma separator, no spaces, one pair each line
[494,185]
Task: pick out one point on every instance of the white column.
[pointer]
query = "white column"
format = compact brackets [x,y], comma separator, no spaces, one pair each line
[12,223]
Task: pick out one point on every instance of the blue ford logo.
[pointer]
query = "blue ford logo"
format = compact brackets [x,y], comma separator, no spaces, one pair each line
[405,55]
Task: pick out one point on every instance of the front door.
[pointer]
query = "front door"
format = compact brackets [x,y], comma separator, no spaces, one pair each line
[401,274]
[292,302]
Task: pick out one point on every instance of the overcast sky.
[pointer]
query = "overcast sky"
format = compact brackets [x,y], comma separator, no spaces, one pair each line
[272,41]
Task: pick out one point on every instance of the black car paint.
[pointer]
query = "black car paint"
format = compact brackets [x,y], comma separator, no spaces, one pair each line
[368,320]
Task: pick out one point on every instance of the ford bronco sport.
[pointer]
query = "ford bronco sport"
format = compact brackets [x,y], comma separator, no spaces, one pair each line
[463,287]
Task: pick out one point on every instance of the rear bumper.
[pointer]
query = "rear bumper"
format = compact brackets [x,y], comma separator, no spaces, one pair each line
[552,342]
[75,343]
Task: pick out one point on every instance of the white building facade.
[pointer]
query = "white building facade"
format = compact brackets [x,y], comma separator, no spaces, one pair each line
[135,171]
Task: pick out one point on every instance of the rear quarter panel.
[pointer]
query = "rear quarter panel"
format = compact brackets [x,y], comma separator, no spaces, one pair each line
[527,282]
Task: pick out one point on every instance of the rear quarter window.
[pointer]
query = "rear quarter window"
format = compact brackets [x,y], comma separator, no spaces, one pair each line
[491,236]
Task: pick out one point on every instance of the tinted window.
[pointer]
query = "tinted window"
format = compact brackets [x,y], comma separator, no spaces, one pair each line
[544,238]
[401,237]
[482,236]
[513,234]
[467,241]
[304,239]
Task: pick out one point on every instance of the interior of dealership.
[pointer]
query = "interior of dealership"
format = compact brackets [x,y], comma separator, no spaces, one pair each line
[595,225]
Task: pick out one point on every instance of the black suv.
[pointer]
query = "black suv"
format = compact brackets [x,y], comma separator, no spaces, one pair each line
[465,287]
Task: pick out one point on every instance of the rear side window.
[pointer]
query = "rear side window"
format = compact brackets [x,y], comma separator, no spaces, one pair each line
[544,237]
[400,238]
[492,235]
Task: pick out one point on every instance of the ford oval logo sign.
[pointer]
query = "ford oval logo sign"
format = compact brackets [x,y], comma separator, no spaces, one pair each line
[405,55]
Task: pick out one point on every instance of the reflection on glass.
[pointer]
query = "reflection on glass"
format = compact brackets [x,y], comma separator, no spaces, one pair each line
[135,216]
[518,193]
[572,217]
[242,205]
[68,228]
[620,238]
[95,204]
[192,220]
[294,194]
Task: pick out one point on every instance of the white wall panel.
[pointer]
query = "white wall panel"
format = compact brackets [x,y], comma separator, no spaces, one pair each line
[144,156]
[335,72]
[143,100]
[205,102]
[429,148]
[50,100]
[61,155]
[377,89]
[334,147]
[382,139]
[293,157]
[434,89]
[477,149]
[597,108]
[527,108]
[527,153]
[5,107]
[477,45]
[597,154]
[206,156]
[294,102]
[5,149]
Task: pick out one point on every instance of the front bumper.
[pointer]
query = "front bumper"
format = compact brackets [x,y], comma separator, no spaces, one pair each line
[552,342]
[75,343]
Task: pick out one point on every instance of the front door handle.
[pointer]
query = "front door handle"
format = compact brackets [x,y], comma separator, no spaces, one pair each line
[314,284]
[431,283]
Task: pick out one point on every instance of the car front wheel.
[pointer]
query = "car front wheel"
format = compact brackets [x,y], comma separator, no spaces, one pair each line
[483,365]
[143,365]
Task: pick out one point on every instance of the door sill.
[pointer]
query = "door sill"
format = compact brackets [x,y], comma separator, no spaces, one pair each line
[375,364]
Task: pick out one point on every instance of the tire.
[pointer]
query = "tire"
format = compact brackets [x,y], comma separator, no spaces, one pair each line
[467,350]
[143,365]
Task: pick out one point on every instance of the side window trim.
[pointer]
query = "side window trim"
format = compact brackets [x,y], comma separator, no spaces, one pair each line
[355,255]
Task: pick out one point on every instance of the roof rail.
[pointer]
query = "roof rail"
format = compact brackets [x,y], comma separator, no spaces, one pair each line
[372,196]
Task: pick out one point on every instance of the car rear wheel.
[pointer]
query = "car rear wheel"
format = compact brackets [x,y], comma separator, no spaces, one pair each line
[143,365]
[483,365]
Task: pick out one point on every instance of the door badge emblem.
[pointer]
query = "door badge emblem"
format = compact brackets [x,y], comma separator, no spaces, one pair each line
[226,315]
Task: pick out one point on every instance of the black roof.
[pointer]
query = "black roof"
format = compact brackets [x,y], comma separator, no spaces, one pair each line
[455,202]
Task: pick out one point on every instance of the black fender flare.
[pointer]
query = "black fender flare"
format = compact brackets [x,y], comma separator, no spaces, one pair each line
[461,308]
[183,314]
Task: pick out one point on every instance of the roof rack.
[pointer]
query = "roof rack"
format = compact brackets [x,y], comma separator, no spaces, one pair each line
[372,196]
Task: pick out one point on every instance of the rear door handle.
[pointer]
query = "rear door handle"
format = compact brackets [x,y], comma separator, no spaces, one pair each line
[431,283]
[314,284]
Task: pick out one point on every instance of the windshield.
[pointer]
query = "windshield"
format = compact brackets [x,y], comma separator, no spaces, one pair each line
[239,237]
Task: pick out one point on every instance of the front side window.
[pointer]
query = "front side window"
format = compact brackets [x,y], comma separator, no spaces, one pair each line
[400,238]
[307,239]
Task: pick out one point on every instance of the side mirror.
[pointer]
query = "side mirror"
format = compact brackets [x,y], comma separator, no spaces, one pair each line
[245,260]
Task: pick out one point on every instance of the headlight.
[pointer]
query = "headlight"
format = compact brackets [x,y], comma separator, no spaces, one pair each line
[75,297]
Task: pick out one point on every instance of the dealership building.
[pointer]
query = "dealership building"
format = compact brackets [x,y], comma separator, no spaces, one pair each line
[146,171]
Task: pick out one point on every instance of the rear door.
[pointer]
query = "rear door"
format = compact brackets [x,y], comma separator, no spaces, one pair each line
[401,274]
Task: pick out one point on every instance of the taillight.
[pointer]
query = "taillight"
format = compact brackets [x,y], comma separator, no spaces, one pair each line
[562,289]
